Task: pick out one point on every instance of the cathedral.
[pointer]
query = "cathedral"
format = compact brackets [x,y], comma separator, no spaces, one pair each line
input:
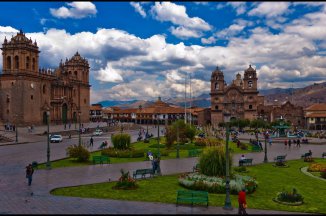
[28,94]
[239,100]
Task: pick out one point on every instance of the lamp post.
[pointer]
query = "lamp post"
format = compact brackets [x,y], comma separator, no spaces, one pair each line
[16,128]
[265,158]
[158,146]
[79,138]
[227,203]
[48,162]
[178,147]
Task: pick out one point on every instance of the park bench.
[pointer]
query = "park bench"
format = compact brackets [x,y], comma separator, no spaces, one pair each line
[255,148]
[196,168]
[101,159]
[306,155]
[193,152]
[142,173]
[247,161]
[280,158]
[34,164]
[192,197]
[324,154]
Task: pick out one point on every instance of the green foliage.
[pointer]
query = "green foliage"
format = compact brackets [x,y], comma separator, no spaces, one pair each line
[278,121]
[200,141]
[127,153]
[179,129]
[323,174]
[121,141]
[213,162]
[79,152]
[259,123]
[243,146]
[240,169]
[241,123]
[125,181]
[286,196]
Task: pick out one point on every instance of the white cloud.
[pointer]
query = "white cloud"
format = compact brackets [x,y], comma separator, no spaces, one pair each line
[176,14]
[240,7]
[8,29]
[109,74]
[138,8]
[270,9]
[209,40]
[77,10]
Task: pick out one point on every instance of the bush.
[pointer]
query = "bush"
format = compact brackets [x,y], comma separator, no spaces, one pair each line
[79,152]
[243,146]
[121,141]
[200,142]
[128,153]
[212,161]
[240,169]
[323,174]
[285,196]
[125,181]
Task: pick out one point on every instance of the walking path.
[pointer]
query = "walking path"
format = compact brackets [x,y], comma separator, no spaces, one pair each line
[16,196]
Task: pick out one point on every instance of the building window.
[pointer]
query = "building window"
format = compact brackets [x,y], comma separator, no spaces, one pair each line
[250,84]
[7,111]
[33,64]
[32,97]
[44,89]
[27,62]
[216,86]
[12,83]
[250,97]
[216,107]
[9,62]
[250,106]
[75,73]
[8,99]
[216,99]
[85,101]
[16,62]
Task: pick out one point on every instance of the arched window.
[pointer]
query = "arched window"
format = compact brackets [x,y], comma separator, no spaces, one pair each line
[250,84]
[216,107]
[27,62]
[75,73]
[44,89]
[250,106]
[69,72]
[85,101]
[33,64]
[16,62]
[32,97]
[9,62]
[216,86]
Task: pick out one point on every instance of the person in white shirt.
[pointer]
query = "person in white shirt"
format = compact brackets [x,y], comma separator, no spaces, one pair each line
[241,160]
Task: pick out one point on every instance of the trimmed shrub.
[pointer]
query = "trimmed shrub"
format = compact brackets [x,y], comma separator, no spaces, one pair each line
[212,161]
[125,181]
[79,152]
[286,196]
[128,153]
[121,141]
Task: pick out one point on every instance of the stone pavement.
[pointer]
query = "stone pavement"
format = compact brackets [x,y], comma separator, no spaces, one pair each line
[16,196]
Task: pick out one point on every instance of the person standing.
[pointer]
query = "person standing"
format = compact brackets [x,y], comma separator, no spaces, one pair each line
[289,143]
[298,143]
[91,142]
[285,143]
[29,173]
[242,202]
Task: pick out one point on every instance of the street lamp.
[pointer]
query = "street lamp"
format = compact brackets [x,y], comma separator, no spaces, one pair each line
[227,203]
[265,158]
[79,139]
[158,145]
[16,128]
[48,162]
[178,147]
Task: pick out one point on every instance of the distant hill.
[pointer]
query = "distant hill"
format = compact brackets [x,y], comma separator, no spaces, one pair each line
[304,97]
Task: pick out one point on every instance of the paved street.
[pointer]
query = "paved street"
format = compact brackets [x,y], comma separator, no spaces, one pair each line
[16,195]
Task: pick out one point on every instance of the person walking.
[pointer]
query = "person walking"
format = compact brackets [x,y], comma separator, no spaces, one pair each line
[298,143]
[29,173]
[289,143]
[285,143]
[91,142]
[242,202]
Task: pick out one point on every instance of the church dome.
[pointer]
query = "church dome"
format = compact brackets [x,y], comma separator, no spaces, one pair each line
[250,69]
[217,71]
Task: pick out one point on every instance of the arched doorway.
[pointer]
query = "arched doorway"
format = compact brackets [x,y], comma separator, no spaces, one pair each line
[233,118]
[64,113]
[45,120]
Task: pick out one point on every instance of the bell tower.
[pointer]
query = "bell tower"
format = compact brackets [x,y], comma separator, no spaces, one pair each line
[250,79]
[20,55]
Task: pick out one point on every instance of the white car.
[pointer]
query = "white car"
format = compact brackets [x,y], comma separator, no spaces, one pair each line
[98,132]
[56,138]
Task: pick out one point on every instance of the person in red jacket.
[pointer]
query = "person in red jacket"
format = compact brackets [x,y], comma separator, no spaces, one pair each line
[242,202]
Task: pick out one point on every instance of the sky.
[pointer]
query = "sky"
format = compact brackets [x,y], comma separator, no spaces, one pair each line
[143,50]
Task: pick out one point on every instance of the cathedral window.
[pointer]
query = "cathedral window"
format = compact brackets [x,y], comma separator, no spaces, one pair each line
[9,62]
[33,64]
[216,86]
[44,89]
[16,62]
[32,97]
[250,106]
[85,101]
[75,73]
[216,107]
[27,62]
[250,84]
[8,99]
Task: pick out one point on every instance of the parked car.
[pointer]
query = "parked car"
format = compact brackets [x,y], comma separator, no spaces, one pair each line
[55,138]
[98,132]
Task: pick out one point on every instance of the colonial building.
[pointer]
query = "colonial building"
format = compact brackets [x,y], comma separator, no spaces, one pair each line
[96,113]
[28,92]
[239,100]
[315,116]
[160,112]
[287,110]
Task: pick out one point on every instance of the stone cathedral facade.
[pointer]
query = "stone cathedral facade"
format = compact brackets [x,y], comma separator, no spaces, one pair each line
[239,100]
[27,92]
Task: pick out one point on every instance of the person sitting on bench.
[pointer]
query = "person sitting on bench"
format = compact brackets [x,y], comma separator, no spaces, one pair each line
[242,160]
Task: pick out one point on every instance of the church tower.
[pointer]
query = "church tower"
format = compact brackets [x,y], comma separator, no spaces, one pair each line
[217,91]
[250,79]
[20,55]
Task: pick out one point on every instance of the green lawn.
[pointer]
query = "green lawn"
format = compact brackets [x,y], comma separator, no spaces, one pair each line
[152,145]
[270,179]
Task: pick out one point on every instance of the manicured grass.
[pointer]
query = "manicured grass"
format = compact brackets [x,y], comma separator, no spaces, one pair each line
[183,153]
[270,181]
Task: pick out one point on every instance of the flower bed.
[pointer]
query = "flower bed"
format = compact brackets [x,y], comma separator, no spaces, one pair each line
[316,167]
[196,181]
[289,198]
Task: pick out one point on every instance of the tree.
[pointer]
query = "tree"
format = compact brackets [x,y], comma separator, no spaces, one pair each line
[181,129]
